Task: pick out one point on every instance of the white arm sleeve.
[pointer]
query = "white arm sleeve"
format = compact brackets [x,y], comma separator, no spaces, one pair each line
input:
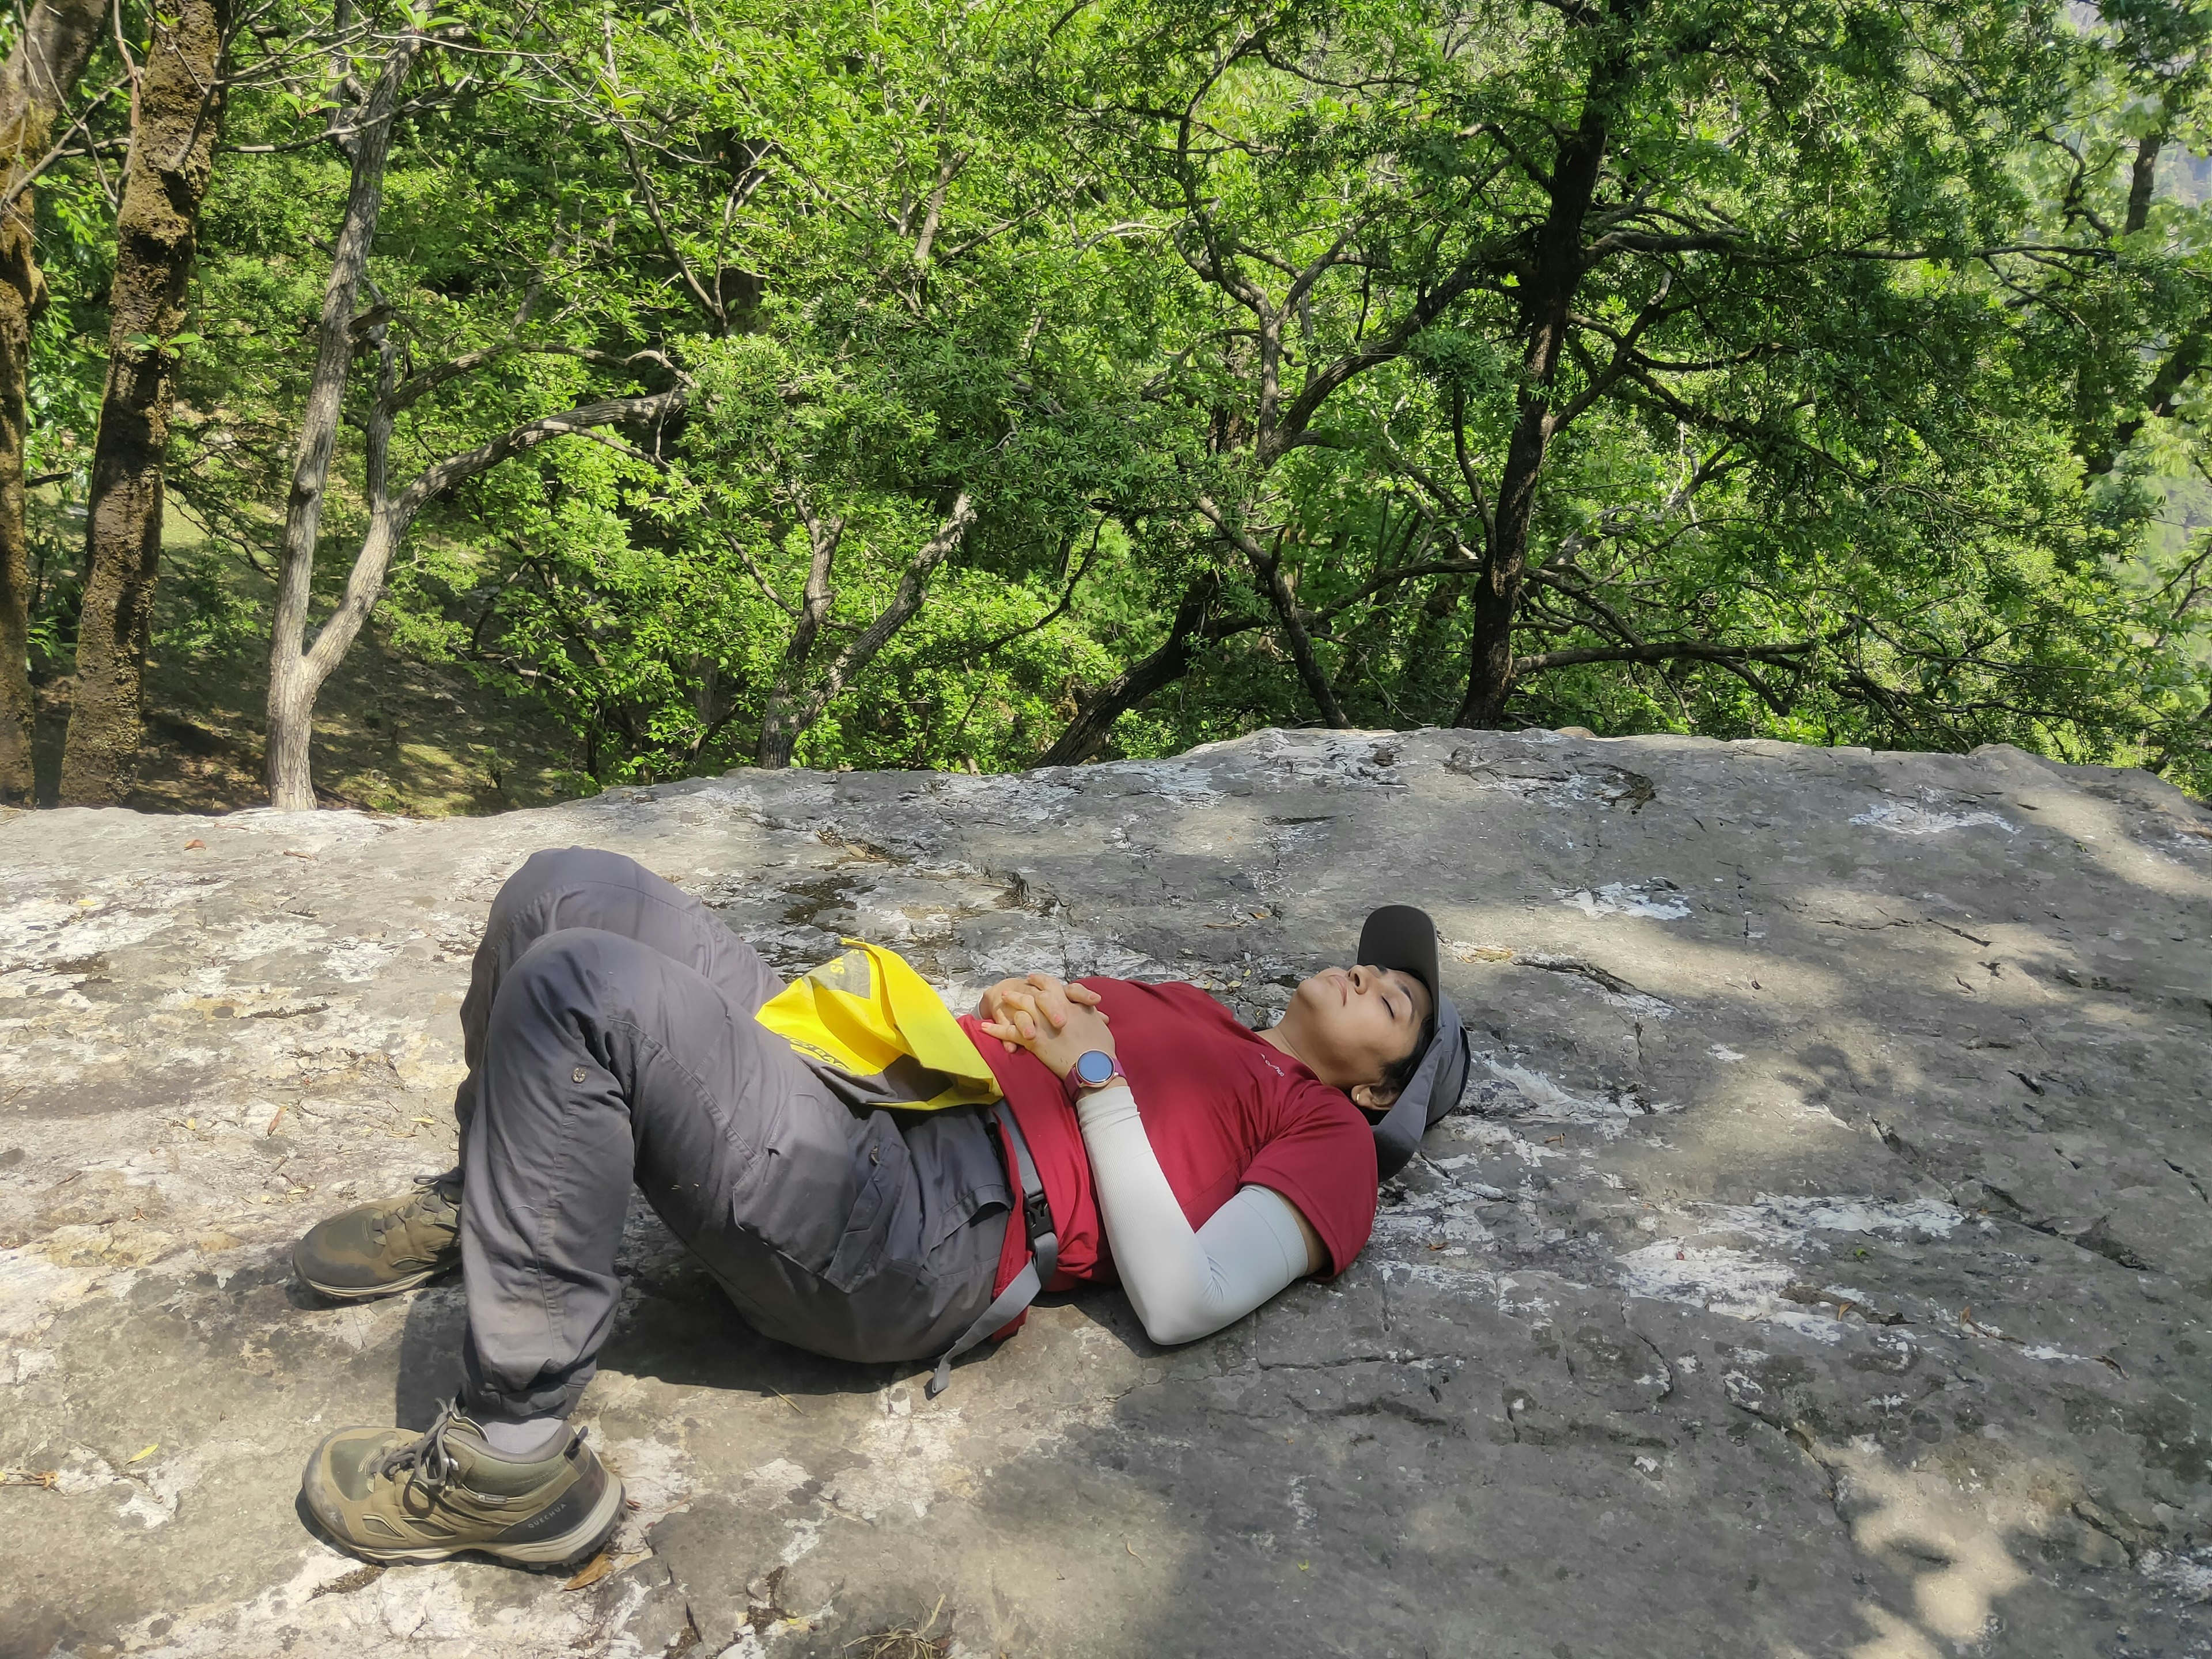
[1183,1285]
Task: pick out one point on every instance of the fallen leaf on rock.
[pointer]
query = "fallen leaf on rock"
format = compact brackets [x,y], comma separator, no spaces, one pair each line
[45,1477]
[194,844]
[1482,953]
[594,1569]
[291,853]
[346,1583]
[141,1456]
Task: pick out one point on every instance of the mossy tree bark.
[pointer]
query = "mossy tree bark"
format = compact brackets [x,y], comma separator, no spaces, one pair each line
[49,59]
[174,120]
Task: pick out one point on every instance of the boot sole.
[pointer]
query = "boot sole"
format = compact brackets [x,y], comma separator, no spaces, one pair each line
[370,1292]
[585,1536]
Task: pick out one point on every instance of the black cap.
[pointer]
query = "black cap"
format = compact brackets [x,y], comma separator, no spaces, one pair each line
[1400,936]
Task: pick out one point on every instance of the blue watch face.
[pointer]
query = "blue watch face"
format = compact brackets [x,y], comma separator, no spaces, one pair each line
[1093,1067]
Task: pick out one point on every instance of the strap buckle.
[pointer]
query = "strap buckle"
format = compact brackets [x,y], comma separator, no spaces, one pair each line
[1044,1253]
[1036,1216]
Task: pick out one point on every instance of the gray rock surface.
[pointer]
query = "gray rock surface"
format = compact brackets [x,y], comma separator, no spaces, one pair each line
[1819,1265]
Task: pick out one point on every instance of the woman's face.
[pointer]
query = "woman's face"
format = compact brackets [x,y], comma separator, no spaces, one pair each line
[1350,1025]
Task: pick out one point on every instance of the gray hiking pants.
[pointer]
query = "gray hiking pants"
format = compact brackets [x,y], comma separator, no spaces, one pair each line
[610,1038]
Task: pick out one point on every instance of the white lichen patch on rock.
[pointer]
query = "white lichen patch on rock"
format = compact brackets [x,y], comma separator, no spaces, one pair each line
[1657,898]
[1524,1094]
[1751,1261]
[1712,1277]
[1906,818]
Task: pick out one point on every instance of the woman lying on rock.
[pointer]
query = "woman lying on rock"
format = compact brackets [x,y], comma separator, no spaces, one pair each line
[612,1037]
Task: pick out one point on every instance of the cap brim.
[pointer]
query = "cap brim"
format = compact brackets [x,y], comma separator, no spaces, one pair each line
[1400,936]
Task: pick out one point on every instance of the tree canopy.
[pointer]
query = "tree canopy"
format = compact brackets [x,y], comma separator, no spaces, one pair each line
[946,385]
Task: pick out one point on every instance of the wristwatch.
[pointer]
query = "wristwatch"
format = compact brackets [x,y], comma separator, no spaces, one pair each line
[1094,1069]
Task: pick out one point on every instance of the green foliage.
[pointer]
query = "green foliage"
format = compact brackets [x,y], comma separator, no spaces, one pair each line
[1879,402]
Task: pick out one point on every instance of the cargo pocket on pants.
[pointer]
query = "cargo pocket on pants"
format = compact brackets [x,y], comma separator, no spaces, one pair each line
[885,1178]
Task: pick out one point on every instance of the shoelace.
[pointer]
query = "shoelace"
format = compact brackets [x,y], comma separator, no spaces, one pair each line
[426,1459]
[431,1194]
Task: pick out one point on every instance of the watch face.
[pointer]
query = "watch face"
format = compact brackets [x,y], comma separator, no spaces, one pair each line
[1094,1066]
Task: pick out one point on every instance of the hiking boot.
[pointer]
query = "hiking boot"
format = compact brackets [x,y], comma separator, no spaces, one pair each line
[388,1495]
[374,1249]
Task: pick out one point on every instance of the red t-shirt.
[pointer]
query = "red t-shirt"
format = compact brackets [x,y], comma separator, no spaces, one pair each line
[1222,1109]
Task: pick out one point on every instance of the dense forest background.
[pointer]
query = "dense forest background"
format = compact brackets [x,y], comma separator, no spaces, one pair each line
[446,407]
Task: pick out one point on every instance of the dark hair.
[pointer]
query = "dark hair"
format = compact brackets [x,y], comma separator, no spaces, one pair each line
[1399,1072]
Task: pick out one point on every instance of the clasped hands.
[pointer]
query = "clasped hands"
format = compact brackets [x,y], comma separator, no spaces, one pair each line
[1054,1020]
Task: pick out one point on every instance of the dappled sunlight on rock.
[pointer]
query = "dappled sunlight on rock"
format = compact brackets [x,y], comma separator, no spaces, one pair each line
[1957,1533]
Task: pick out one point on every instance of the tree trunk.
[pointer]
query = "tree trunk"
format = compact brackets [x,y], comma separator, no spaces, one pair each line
[45,67]
[1497,590]
[179,109]
[292,682]
[1088,732]
[1277,592]
[2142,182]
[780,723]
[778,739]
[1547,295]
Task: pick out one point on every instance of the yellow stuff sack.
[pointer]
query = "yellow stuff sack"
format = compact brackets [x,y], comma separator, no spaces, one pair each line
[869,1015]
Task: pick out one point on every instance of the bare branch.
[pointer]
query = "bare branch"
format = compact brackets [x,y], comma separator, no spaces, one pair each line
[1640,241]
[1267,566]
[904,603]
[791,712]
[1289,428]
[434,481]
[1624,356]
[709,303]
[1661,651]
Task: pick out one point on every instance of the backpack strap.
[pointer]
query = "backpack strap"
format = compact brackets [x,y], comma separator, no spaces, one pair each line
[1044,1255]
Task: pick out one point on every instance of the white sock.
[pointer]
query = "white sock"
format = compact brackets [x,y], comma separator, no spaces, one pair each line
[521,1442]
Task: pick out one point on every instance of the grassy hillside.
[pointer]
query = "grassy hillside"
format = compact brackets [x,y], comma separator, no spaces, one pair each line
[391,734]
